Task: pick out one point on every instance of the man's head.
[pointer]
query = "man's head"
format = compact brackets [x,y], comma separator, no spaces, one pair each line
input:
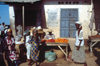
[3,23]
[9,32]
[50,31]
[39,28]
[78,25]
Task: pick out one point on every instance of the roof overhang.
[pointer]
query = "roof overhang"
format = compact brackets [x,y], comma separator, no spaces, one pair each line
[19,1]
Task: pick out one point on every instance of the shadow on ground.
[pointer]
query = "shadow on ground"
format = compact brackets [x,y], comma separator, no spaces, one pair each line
[48,64]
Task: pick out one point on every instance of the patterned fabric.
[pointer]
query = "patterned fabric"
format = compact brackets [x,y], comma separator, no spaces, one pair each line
[11,49]
[34,51]
[78,55]
[10,43]
[12,56]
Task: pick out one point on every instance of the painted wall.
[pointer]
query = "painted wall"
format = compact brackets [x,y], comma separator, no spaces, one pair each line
[12,20]
[52,13]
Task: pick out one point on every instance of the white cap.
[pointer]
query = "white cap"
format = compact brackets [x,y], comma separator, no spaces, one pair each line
[78,22]
[34,27]
[39,27]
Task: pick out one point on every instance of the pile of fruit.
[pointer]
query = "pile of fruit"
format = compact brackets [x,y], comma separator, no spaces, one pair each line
[61,40]
[42,41]
[58,40]
[50,40]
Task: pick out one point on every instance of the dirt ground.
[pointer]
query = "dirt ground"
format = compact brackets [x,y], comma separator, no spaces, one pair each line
[90,59]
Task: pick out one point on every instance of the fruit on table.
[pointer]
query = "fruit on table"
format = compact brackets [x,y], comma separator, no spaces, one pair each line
[58,40]
[43,40]
[50,40]
[61,40]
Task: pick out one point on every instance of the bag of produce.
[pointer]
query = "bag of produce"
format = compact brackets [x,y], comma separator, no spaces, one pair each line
[50,56]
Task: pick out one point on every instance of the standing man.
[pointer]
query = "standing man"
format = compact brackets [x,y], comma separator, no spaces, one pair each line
[28,46]
[2,27]
[78,54]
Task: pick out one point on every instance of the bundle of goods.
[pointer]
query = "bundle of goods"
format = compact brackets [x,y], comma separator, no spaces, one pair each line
[50,56]
[61,40]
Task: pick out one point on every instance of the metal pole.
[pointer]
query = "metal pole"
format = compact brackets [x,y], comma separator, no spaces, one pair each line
[91,32]
[23,17]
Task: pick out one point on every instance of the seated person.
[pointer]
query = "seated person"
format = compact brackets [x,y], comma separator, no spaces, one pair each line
[50,35]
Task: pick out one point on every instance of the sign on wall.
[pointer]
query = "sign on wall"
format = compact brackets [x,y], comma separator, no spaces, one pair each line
[52,18]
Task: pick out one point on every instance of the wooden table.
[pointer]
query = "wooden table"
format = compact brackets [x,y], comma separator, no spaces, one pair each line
[59,46]
[93,43]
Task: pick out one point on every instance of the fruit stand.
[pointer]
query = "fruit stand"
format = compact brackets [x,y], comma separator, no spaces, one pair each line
[59,43]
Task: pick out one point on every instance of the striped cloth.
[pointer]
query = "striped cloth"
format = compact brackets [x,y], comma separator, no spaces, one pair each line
[34,51]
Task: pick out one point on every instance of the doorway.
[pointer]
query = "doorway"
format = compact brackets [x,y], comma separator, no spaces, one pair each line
[67,22]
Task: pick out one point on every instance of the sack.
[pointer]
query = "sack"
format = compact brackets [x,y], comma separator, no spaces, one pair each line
[50,56]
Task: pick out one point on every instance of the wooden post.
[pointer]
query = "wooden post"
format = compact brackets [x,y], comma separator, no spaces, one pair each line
[23,17]
[91,32]
[63,51]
